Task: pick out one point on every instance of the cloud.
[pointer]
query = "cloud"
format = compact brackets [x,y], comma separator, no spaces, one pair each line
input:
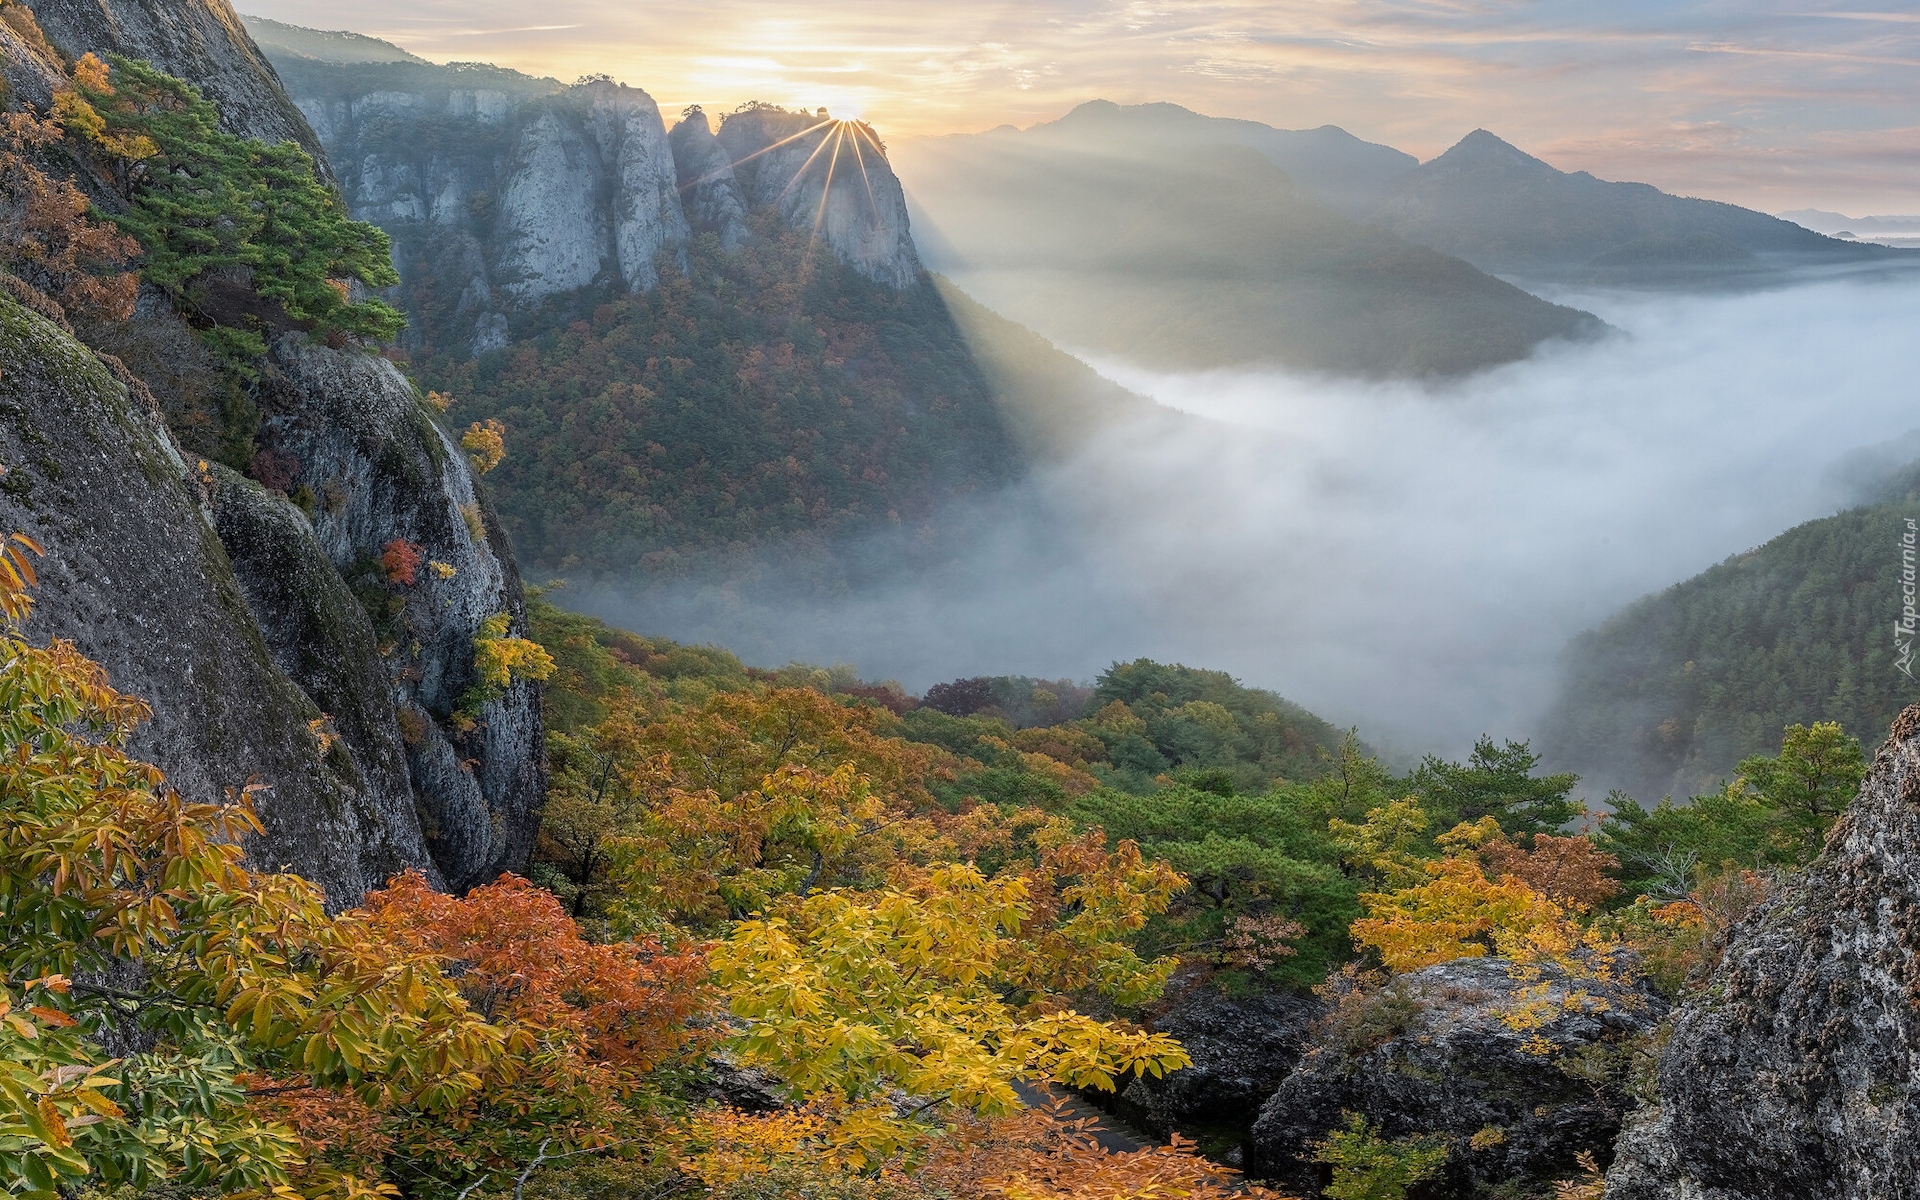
[1416,75]
[1409,559]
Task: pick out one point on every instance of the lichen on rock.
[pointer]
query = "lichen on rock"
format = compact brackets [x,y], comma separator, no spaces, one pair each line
[1518,1068]
[1794,1073]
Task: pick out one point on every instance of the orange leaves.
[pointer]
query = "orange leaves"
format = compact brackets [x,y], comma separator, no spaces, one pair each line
[17,577]
[400,561]
[1048,1153]
[523,962]
[52,240]
[1570,871]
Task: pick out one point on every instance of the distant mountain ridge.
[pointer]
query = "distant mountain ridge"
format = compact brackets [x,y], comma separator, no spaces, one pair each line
[1506,211]
[1136,232]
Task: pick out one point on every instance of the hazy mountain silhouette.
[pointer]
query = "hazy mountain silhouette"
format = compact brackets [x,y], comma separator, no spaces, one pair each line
[1176,240]
[1504,210]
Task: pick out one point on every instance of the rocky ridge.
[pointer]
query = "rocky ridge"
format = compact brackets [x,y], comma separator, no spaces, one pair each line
[275,649]
[1795,1073]
[514,190]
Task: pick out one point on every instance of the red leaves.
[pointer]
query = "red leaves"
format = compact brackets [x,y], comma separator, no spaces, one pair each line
[521,959]
[400,560]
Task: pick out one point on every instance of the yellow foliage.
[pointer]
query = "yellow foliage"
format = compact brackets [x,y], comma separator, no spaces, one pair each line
[485,443]
[500,659]
[1459,913]
[1388,843]
[848,996]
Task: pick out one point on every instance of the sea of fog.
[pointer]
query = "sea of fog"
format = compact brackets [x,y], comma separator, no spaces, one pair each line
[1408,558]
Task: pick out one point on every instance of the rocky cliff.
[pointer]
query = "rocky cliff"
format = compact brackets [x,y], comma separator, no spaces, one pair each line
[201,41]
[1795,1074]
[502,191]
[138,577]
[255,614]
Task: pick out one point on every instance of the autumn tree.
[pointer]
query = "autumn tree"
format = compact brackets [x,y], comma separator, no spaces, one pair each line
[52,240]
[130,919]
[850,996]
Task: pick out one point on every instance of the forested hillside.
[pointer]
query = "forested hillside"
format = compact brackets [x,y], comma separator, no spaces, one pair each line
[1667,696]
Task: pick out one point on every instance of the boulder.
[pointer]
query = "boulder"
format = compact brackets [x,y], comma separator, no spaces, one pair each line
[1243,1048]
[1443,1052]
[1794,1074]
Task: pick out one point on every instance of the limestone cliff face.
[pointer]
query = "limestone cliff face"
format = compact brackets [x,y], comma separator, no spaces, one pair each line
[1795,1074]
[200,41]
[138,576]
[504,190]
[708,189]
[831,177]
[352,429]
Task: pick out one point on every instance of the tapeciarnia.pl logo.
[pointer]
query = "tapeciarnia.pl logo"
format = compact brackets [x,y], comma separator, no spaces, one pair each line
[1903,629]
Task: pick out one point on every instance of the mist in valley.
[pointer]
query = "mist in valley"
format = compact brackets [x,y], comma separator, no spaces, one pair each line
[1408,558]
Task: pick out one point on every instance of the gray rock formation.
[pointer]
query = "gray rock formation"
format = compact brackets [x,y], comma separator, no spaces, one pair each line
[829,177]
[590,194]
[200,41]
[1432,1055]
[355,433]
[1243,1049]
[708,189]
[1795,1073]
[137,577]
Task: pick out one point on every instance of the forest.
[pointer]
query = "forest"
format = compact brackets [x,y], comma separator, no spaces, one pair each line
[1672,691]
[784,932]
[787,933]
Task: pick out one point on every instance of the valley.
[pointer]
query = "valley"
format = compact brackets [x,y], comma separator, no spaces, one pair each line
[1321,703]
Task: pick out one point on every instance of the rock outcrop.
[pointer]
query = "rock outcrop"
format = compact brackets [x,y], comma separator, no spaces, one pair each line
[1243,1049]
[271,643]
[200,41]
[830,177]
[708,188]
[590,195]
[353,433]
[1795,1073]
[137,576]
[1438,1053]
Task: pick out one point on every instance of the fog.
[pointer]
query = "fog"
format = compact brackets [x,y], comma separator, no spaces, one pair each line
[1407,558]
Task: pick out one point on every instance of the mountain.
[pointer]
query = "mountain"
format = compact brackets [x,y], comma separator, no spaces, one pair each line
[703,342]
[198,40]
[1506,211]
[1191,250]
[249,520]
[1333,166]
[281,40]
[1668,695]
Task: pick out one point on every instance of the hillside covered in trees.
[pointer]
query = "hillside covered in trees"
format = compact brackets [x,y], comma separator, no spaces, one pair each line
[1669,694]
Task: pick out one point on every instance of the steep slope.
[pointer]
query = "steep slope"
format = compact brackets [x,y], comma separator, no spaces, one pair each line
[1198,255]
[138,578]
[1791,1075]
[1669,694]
[259,613]
[1504,210]
[201,41]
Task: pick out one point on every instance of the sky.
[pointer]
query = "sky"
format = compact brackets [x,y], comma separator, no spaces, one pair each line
[1774,104]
